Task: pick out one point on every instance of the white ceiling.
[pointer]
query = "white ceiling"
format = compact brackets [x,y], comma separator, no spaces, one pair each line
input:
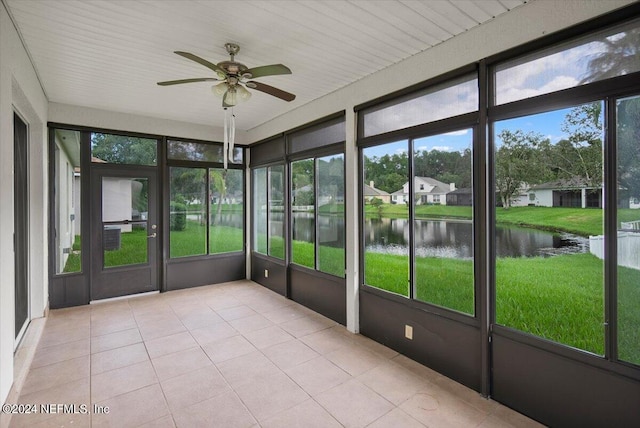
[109,54]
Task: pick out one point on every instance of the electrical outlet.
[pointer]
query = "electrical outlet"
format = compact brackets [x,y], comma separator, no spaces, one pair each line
[266,273]
[408,332]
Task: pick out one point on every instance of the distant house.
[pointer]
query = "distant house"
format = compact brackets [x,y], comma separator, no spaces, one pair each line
[427,190]
[573,192]
[460,197]
[369,192]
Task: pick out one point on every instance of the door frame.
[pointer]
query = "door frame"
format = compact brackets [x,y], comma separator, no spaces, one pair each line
[129,273]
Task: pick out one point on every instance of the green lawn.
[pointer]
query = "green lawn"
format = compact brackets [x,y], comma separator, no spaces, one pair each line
[559,298]
[192,240]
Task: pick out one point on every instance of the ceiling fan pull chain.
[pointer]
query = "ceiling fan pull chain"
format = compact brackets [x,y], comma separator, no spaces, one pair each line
[225,147]
[232,136]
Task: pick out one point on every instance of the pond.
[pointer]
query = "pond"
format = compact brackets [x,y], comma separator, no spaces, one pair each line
[453,239]
[436,238]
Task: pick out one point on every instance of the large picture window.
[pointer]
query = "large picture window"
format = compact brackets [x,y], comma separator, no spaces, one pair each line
[206,202]
[550,247]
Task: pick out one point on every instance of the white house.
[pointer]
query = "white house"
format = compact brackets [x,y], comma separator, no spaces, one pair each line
[574,192]
[427,190]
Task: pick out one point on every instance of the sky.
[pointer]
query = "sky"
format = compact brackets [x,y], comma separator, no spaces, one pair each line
[519,79]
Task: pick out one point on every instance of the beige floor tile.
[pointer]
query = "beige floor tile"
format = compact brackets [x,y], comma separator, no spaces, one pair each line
[353,404]
[308,414]
[251,323]
[76,392]
[76,420]
[178,363]
[57,374]
[226,349]
[317,375]
[193,387]
[58,336]
[393,382]
[236,312]
[465,394]
[287,313]
[170,344]
[289,354]
[133,408]
[164,422]
[213,333]
[119,357]
[223,411]
[439,408]
[161,329]
[120,381]
[200,319]
[268,336]
[247,368]
[115,340]
[355,360]
[328,340]
[222,302]
[106,326]
[396,419]
[502,416]
[58,353]
[267,396]
[306,325]
[373,346]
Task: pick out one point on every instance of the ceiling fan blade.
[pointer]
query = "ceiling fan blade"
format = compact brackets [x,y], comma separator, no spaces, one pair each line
[268,70]
[202,61]
[178,82]
[267,89]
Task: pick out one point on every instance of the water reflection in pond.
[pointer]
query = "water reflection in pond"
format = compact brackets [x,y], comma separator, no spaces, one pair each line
[454,239]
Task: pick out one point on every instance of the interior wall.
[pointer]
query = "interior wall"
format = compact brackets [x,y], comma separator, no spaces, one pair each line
[20,91]
[96,118]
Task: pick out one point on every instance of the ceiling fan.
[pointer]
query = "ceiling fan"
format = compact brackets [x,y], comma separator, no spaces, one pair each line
[234,76]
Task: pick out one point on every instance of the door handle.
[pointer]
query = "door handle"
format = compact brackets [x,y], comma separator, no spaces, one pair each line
[153,235]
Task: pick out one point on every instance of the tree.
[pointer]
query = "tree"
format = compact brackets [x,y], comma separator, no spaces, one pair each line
[628,139]
[581,155]
[517,163]
[620,56]
[120,149]
[377,203]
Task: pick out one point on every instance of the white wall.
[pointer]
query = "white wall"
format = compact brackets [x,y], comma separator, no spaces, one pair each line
[96,118]
[20,91]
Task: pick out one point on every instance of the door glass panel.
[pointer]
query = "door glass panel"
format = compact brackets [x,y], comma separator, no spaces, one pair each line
[187,212]
[549,225]
[386,214]
[124,221]
[67,208]
[443,225]
[331,215]
[303,212]
[226,210]
[628,139]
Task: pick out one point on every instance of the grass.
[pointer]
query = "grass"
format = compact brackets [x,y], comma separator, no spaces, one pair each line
[192,240]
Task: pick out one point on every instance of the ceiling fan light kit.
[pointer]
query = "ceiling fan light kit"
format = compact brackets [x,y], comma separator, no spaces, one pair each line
[233,77]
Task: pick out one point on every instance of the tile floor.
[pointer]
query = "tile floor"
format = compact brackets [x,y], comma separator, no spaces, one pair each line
[235,355]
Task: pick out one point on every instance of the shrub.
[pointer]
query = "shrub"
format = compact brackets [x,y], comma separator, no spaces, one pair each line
[177,216]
